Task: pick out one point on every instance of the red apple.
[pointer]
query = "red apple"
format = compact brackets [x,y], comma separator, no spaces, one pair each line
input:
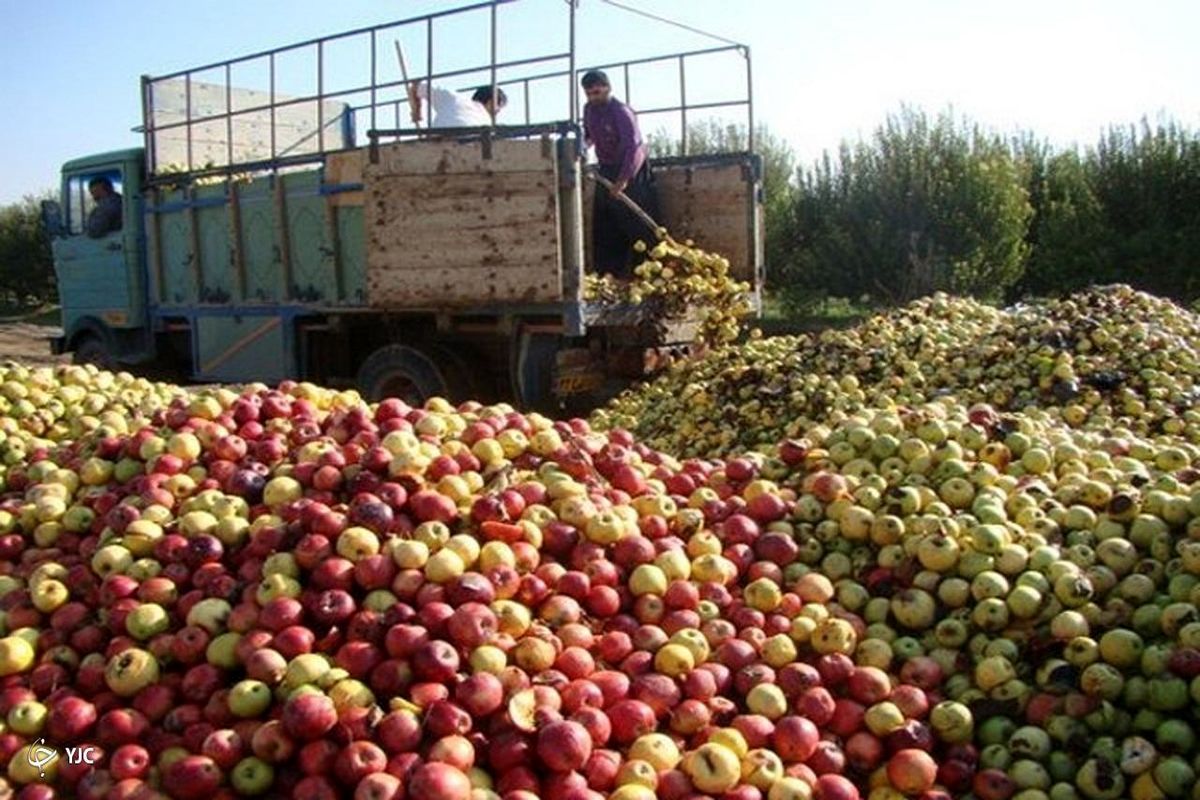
[192,778]
[440,781]
[129,761]
[358,760]
[912,771]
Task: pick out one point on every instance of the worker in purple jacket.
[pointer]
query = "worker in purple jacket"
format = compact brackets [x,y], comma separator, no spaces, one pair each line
[612,128]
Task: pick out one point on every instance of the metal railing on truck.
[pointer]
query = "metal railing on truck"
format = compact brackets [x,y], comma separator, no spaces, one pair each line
[197,122]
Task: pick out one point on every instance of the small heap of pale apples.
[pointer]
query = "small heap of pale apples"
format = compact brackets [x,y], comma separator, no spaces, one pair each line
[675,279]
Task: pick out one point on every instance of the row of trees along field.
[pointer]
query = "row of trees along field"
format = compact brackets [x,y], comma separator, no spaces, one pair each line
[26,268]
[936,202]
[925,203]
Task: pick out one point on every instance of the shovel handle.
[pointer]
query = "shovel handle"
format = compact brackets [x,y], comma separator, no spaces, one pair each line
[624,198]
[404,70]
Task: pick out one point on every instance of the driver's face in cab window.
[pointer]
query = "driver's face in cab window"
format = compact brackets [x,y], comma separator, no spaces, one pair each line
[97,205]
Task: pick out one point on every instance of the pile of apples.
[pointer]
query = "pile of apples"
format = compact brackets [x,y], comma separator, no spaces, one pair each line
[43,405]
[677,279]
[1109,356]
[287,592]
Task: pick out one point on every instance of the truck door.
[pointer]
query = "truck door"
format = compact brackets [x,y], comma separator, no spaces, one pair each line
[94,268]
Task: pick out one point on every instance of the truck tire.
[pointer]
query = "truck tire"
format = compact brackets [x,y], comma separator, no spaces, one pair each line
[91,348]
[397,370]
[461,375]
[533,369]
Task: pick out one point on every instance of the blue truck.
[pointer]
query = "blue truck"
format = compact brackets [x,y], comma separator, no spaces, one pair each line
[272,231]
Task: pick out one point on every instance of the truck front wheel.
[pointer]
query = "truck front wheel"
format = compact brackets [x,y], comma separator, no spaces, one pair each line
[400,371]
[92,349]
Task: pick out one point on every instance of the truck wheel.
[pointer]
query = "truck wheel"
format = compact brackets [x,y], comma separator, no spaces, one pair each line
[461,376]
[92,349]
[532,369]
[400,371]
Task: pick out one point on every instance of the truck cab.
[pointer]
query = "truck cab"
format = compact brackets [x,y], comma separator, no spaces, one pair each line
[101,280]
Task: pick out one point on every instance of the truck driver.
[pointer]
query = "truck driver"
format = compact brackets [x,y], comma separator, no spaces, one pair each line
[612,128]
[105,217]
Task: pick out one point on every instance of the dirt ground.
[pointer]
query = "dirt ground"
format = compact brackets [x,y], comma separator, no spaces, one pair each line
[28,343]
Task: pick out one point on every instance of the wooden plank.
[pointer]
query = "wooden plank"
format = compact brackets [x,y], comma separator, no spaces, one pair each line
[589,211]
[345,166]
[457,216]
[515,244]
[453,157]
[712,205]
[571,227]
[460,232]
[411,192]
[465,284]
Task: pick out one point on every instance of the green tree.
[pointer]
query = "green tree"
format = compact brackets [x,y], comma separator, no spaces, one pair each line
[26,265]
[1147,182]
[1070,243]
[921,206]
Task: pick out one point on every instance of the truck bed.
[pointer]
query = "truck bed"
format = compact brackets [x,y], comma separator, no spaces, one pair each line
[433,225]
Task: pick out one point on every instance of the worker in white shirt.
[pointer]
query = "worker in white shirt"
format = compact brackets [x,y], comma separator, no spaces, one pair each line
[453,110]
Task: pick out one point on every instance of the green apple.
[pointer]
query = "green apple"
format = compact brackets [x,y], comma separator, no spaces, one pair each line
[761,768]
[232,531]
[767,699]
[16,655]
[350,693]
[195,523]
[78,519]
[130,671]
[146,621]
[282,490]
[141,536]
[276,585]
[184,445]
[112,559]
[144,569]
[222,650]
[952,721]
[127,469]
[47,595]
[249,698]
[305,668]
[657,749]
[252,776]
[356,543]
[27,718]
[210,614]
[713,768]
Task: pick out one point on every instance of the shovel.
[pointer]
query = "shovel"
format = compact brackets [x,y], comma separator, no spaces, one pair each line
[632,206]
[404,72]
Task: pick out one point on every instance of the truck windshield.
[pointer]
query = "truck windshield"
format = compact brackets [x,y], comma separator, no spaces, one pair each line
[79,199]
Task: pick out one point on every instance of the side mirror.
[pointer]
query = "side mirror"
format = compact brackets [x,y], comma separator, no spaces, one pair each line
[52,218]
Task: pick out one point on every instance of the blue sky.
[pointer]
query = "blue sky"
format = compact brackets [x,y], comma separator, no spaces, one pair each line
[823,71]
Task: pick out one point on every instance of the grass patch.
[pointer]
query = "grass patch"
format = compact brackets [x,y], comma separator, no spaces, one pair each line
[831,312]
